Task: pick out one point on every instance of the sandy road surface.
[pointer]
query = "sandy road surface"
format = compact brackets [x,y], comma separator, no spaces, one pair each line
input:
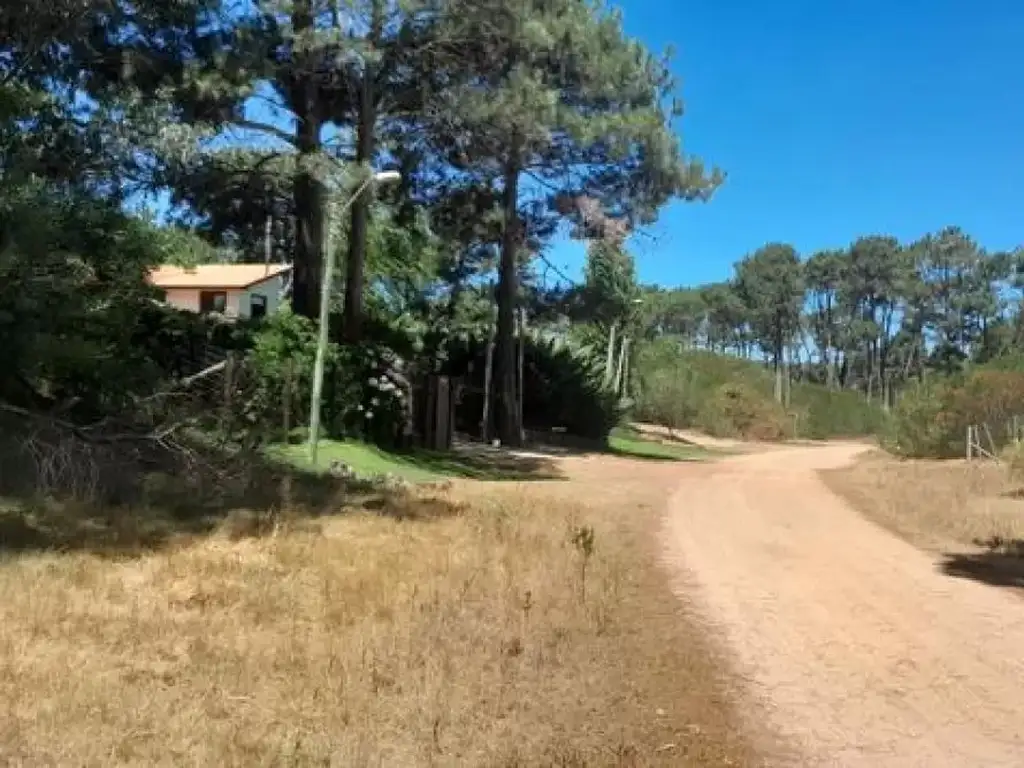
[858,651]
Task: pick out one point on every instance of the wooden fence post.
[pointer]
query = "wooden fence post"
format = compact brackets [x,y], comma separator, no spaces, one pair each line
[991,442]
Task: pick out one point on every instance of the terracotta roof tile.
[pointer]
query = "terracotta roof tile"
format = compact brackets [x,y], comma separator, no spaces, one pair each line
[237,276]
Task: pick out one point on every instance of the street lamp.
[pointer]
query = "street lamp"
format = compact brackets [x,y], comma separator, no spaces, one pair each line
[377,179]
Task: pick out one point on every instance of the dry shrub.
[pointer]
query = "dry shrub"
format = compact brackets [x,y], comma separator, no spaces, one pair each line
[987,397]
[736,410]
[460,639]
[1012,457]
[931,420]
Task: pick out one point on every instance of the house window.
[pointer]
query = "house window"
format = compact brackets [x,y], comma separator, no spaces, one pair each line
[257,306]
[213,301]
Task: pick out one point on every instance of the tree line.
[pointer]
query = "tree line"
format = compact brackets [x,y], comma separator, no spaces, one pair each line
[508,120]
[869,317]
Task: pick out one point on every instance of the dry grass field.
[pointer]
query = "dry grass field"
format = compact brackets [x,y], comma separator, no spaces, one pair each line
[971,514]
[519,624]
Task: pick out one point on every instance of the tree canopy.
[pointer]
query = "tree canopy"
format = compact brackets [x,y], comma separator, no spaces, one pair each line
[253,125]
[869,317]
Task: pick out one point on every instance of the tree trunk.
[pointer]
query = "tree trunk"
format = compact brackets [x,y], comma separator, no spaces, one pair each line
[830,363]
[623,351]
[308,191]
[610,357]
[366,129]
[520,364]
[787,370]
[625,377]
[779,351]
[485,418]
[268,243]
[505,358]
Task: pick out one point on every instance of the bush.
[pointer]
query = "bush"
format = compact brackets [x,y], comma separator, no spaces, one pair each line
[563,386]
[362,395]
[670,398]
[825,413]
[916,428]
[1013,457]
[736,410]
[931,420]
[690,388]
[567,389]
[991,397]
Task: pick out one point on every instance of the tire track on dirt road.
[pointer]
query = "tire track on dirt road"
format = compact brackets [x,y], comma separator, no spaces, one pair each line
[857,649]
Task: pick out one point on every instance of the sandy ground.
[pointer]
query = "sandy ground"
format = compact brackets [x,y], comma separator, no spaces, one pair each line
[856,649]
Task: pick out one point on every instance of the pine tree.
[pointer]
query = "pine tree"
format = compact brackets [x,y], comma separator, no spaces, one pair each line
[554,93]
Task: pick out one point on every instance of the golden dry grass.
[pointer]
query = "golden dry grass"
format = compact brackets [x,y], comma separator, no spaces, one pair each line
[451,639]
[972,513]
[934,504]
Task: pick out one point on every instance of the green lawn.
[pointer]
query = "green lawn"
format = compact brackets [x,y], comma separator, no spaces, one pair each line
[629,445]
[418,466]
[484,464]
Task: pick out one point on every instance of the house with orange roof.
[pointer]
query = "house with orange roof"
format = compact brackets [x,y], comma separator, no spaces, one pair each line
[240,291]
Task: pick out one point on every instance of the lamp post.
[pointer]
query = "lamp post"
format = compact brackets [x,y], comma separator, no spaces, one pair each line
[623,371]
[383,177]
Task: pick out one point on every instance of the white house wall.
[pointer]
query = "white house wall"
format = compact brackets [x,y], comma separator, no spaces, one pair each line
[239,301]
[271,289]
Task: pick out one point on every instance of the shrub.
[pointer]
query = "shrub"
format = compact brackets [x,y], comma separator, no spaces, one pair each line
[362,396]
[931,420]
[563,386]
[828,413]
[916,428]
[990,397]
[1013,457]
[736,410]
[671,398]
[684,388]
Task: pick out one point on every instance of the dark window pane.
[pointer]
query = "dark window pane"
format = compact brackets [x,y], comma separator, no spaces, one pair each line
[258,306]
[213,301]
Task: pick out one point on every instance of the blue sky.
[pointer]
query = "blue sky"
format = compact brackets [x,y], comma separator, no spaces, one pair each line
[836,118]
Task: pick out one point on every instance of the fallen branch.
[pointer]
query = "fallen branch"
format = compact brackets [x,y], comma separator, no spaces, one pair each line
[86,434]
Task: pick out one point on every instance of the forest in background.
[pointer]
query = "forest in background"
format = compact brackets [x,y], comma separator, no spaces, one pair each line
[910,341]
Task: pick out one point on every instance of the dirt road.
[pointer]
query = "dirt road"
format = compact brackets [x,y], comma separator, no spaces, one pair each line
[857,650]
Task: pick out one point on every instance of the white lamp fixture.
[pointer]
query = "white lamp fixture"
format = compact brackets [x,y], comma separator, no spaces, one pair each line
[386,177]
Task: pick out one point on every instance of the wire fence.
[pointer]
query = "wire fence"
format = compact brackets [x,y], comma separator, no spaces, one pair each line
[984,442]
